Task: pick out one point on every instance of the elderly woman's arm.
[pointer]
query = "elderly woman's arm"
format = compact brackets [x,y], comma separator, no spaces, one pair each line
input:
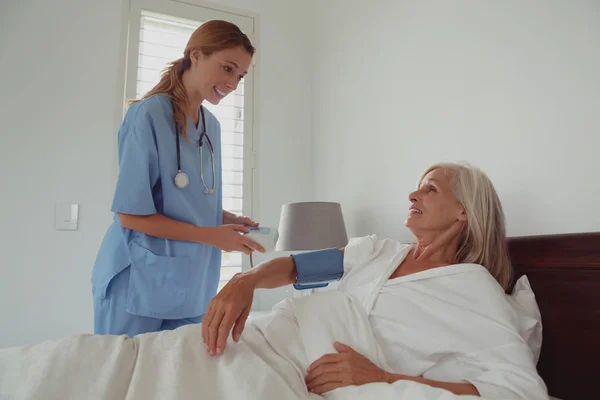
[456,388]
[229,309]
[273,273]
[348,367]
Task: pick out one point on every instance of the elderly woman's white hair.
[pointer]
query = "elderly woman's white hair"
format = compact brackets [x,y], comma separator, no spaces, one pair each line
[484,239]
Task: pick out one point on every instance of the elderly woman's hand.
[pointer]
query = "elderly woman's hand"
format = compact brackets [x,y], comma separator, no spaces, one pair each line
[228,309]
[345,368]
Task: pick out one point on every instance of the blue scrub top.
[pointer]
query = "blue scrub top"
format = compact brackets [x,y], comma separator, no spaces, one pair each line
[168,279]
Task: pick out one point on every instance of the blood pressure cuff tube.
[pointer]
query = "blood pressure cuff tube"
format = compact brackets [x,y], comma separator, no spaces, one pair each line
[316,269]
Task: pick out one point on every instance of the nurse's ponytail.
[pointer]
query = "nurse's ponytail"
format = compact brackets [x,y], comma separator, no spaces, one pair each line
[171,85]
[210,37]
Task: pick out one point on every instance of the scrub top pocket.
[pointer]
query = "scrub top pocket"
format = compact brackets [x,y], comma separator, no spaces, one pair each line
[158,284]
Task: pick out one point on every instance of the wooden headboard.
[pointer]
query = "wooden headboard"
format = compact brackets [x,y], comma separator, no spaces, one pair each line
[564,272]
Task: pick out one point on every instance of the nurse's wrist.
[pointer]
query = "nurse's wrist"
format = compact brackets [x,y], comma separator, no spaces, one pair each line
[203,235]
[228,217]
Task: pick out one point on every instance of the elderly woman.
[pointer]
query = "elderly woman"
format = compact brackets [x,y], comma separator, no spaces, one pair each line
[408,321]
[437,307]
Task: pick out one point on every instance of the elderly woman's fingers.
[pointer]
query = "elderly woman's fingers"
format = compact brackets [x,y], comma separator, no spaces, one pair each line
[206,320]
[325,379]
[322,389]
[213,331]
[239,324]
[326,359]
[229,308]
[223,332]
[318,374]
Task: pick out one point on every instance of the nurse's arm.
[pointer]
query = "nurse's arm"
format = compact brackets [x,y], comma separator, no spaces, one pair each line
[164,227]
[224,237]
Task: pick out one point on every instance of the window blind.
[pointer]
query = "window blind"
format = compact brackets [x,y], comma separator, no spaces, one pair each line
[162,40]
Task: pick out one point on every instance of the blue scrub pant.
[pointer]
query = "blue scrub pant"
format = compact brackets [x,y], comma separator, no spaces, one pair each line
[110,317]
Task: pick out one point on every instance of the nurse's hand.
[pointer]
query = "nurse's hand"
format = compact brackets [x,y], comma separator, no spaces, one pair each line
[230,218]
[247,221]
[228,309]
[229,238]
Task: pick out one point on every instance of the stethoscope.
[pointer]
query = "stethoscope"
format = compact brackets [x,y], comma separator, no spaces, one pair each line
[181,179]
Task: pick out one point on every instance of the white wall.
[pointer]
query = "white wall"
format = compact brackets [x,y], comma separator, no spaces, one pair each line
[58,122]
[511,86]
[60,84]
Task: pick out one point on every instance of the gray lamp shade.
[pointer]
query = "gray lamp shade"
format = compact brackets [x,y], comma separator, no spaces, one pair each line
[311,226]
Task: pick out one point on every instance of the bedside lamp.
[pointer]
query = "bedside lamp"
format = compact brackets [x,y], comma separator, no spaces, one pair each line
[310,226]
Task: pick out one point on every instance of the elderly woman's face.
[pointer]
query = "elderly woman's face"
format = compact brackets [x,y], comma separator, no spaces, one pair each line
[433,205]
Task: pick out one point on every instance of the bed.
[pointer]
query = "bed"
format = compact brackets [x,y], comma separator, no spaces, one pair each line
[564,272]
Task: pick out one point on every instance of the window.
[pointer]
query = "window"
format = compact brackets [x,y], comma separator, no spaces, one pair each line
[158,33]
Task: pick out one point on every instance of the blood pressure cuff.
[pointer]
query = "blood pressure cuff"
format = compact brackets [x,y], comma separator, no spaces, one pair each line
[315,269]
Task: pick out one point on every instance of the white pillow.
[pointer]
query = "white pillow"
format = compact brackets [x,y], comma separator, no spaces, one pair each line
[530,319]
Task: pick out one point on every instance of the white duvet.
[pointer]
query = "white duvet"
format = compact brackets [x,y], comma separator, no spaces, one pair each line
[269,362]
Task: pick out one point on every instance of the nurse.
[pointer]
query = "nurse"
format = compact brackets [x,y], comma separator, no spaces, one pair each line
[159,264]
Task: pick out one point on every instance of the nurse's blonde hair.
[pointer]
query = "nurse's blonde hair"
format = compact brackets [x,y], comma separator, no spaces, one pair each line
[484,239]
[210,37]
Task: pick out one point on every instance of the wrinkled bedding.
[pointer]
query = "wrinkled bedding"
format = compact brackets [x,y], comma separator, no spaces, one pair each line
[269,361]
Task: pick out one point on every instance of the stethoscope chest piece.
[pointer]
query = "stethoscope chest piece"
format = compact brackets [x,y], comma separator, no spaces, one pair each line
[182,180]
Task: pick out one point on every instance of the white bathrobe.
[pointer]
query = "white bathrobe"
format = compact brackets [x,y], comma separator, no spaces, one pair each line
[452,323]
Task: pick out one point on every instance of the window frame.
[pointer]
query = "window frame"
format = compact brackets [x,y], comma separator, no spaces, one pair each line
[193,10]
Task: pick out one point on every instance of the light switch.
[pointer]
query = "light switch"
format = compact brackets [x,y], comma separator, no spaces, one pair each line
[66,217]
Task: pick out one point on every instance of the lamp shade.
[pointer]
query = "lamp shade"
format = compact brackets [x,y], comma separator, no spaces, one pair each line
[311,226]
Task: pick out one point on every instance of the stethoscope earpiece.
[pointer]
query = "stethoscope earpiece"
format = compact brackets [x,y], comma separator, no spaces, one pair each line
[181,179]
